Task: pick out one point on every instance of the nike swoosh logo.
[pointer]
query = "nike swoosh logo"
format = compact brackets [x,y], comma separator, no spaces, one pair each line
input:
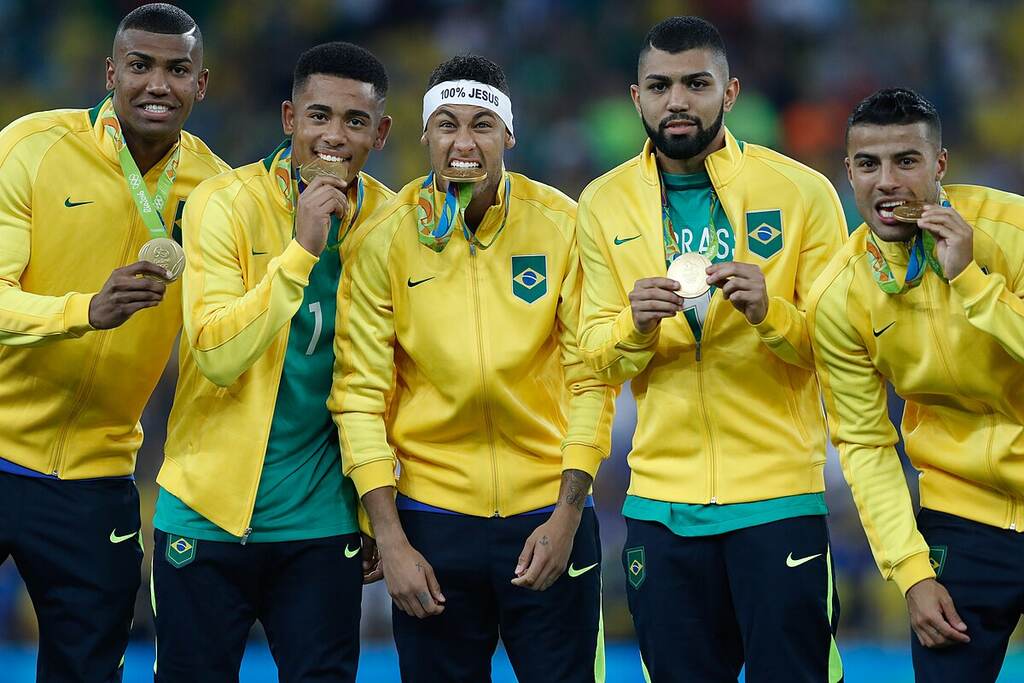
[573,572]
[114,538]
[413,283]
[257,253]
[70,204]
[790,562]
[619,240]
[879,332]
[352,553]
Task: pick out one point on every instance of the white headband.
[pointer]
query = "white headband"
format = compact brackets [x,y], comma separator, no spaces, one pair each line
[468,92]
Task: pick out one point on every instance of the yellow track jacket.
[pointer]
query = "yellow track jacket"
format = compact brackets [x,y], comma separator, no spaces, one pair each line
[244,280]
[955,352]
[740,419]
[72,408]
[464,362]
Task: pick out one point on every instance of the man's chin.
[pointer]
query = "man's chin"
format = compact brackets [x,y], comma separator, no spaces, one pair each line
[902,232]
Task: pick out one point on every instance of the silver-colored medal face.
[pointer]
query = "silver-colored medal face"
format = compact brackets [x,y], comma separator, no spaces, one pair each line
[689,271]
[165,253]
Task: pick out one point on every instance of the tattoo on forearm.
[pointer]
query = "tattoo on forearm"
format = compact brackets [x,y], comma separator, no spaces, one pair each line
[576,484]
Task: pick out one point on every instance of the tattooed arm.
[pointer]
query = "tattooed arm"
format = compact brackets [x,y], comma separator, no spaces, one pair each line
[546,552]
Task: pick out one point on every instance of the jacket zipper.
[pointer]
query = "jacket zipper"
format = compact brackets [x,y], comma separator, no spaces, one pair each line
[713,469]
[277,387]
[488,423]
[86,386]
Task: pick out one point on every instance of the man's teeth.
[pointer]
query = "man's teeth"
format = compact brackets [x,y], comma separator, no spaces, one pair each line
[156,108]
[465,164]
[885,208]
[328,157]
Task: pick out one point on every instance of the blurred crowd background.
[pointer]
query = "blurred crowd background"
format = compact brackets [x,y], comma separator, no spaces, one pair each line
[802,65]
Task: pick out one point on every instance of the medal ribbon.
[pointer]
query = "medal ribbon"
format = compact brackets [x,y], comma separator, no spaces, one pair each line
[436,227]
[672,246]
[922,257]
[150,207]
[291,187]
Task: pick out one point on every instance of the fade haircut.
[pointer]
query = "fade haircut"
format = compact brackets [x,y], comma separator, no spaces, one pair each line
[896,107]
[678,34]
[470,68]
[159,17]
[343,60]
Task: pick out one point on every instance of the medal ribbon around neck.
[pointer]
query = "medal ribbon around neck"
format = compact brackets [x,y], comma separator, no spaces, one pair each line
[672,246]
[436,227]
[150,207]
[922,257]
[288,181]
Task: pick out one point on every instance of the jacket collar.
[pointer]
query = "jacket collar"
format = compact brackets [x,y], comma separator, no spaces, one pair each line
[722,165]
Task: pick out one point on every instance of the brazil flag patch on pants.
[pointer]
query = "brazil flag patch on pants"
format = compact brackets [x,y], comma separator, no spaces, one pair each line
[180,550]
[636,566]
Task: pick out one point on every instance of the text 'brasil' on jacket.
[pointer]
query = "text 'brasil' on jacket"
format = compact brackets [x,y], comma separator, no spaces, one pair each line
[464,361]
[740,421]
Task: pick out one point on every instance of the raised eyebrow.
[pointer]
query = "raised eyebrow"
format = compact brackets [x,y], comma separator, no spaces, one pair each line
[481,114]
[141,55]
[319,107]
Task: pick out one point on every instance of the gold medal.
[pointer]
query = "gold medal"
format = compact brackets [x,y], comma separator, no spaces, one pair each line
[909,212]
[318,167]
[689,271]
[166,253]
[464,175]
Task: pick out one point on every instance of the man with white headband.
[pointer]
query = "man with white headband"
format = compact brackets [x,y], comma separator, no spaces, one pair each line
[458,359]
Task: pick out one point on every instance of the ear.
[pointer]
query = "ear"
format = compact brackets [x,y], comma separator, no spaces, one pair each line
[510,140]
[288,117]
[634,92]
[202,82]
[383,128]
[423,139]
[941,163]
[732,91]
[110,73]
[849,170]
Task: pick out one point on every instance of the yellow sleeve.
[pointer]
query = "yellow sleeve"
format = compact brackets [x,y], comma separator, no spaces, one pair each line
[28,319]
[784,328]
[229,327]
[591,401]
[364,349]
[855,399]
[993,307]
[608,341]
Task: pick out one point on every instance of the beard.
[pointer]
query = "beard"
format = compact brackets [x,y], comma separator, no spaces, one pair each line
[684,146]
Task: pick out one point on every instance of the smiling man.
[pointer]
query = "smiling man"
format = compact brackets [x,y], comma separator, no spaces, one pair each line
[80,193]
[255,520]
[457,357]
[726,494]
[933,305]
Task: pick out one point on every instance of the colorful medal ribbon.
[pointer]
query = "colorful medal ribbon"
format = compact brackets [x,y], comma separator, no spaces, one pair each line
[150,207]
[922,257]
[290,185]
[672,247]
[436,227]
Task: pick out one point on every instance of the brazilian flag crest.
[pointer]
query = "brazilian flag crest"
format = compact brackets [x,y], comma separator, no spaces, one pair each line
[529,277]
[180,550]
[937,558]
[636,566]
[764,232]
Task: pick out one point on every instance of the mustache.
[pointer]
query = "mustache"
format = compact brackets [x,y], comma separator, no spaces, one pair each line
[680,117]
